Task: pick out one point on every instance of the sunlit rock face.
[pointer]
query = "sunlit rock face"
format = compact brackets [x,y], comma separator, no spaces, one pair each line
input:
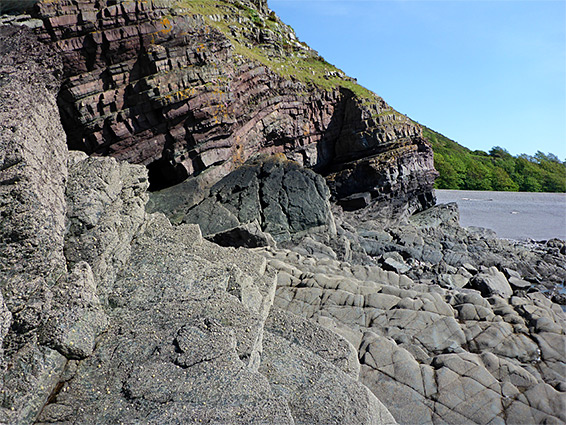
[111,312]
[188,87]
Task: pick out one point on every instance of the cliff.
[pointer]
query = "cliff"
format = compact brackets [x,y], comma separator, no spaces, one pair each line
[112,314]
[193,87]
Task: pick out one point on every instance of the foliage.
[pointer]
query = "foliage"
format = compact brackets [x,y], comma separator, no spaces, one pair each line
[461,168]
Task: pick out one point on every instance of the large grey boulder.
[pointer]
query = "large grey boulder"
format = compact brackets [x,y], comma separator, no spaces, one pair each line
[492,282]
[106,208]
[284,198]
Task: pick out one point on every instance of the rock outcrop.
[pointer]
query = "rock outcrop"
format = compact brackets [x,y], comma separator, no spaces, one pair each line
[444,319]
[33,173]
[431,353]
[186,87]
[282,197]
[110,315]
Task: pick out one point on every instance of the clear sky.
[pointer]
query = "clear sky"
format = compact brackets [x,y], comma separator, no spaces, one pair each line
[482,72]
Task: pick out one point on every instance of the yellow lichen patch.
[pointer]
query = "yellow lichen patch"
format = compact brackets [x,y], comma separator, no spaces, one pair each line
[237,154]
[167,26]
[179,95]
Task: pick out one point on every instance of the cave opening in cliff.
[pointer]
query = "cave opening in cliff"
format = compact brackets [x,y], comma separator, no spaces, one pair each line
[164,173]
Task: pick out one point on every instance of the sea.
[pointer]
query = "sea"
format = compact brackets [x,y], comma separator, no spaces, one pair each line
[512,215]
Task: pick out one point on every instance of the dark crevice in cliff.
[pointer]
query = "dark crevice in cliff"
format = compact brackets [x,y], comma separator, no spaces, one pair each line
[326,148]
[165,173]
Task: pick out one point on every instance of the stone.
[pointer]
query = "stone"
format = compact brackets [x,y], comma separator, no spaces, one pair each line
[315,393]
[247,235]
[518,283]
[309,247]
[316,339]
[33,174]
[283,198]
[437,216]
[492,282]
[396,265]
[104,217]
[77,318]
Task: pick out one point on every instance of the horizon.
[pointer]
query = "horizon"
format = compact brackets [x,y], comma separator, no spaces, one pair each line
[474,71]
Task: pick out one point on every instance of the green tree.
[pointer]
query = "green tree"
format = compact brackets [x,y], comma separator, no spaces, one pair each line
[461,168]
[448,176]
[501,181]
[477,176]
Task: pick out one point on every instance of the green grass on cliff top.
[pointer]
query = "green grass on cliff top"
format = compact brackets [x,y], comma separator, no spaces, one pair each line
[303,65]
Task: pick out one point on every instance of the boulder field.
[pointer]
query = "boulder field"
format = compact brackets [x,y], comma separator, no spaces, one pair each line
[300,273]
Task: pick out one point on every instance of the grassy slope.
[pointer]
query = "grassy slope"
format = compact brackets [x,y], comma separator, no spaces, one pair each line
[294,59]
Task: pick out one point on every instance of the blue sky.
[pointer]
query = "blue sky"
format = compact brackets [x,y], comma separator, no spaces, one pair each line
[484,72]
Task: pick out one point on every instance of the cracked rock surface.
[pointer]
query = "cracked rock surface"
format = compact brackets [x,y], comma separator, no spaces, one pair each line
[155,324]
[281,196]
[432,354]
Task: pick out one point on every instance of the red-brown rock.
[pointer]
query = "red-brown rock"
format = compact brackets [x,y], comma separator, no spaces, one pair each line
[163,86]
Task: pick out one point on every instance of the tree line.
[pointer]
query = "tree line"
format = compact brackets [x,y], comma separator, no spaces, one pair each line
[461,168]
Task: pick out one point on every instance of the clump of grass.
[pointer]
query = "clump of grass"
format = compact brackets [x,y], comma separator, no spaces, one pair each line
[254,17]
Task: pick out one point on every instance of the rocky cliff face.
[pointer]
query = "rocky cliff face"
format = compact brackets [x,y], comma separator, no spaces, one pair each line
[110,314]
[186,87]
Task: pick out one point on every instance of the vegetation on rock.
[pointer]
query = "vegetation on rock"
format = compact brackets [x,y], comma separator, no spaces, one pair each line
[279,49]
[462,168]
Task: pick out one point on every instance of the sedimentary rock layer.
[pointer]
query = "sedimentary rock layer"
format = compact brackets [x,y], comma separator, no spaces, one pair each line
[191,86]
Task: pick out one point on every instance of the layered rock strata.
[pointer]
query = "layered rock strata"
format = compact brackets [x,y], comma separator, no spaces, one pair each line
[191,86]
[111,313]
